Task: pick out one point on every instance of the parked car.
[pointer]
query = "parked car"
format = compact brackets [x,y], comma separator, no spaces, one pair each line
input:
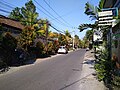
[62,49]
[87,49]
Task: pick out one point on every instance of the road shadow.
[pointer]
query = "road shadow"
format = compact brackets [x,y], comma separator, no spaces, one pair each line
[88,61]
[79,80]
[31,60]
[17,63]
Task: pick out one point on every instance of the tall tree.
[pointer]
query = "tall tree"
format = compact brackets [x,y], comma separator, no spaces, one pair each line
[67,33]
[92,12]
[62,39]
[76,40]
[16,14]
[89,34]
[86,26]
[27,15]
[42,27]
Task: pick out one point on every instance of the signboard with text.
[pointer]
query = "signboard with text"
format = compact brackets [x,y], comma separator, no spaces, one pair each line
[105,18]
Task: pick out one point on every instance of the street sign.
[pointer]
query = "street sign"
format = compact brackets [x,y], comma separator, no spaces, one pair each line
[105,13]
[105,18]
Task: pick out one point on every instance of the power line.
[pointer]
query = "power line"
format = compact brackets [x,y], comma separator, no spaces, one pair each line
[56,12]
[6,5]
[4,11]
[55,28]
[58,27]
[51,15]
[45,13]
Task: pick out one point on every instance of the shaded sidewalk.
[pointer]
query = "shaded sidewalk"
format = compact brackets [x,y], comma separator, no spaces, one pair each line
[89,81]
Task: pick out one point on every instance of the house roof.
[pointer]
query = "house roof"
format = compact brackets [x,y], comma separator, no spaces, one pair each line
[10,22]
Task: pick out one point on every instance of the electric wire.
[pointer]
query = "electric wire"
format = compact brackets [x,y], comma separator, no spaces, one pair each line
[55,28]
[4,11]
[59,28]
[56,13]
[6,5]
[60,22]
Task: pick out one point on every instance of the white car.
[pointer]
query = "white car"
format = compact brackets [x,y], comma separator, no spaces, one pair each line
[87,49]
[62,49]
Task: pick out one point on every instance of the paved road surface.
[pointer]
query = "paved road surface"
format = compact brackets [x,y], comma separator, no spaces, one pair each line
[58,73]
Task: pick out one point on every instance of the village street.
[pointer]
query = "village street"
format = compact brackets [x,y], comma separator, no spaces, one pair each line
[57,73]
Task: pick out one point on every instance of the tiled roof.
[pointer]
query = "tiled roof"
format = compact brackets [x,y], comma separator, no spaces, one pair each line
[10,22]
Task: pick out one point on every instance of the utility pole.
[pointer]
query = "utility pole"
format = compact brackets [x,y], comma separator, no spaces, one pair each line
[73,39]
[46,32]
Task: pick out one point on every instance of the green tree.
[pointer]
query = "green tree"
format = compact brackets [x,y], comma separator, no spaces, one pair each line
[86,26]
[89,35]
[92,12]
[62,39]
[42,27]
[26,38]
[16,14]
[104,63]
[27,15]
[67,33]
[76,40]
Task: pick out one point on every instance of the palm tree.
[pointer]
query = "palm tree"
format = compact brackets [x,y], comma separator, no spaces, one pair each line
[89,35]
[86,26]
[92,12]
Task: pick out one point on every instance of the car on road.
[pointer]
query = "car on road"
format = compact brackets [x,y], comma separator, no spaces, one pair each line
[87,49]
[62,49]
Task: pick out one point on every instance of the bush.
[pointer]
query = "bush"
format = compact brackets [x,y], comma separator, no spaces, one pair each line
[55,46]
[51,49]
[39,49]
[7,48]
[116,78]
[103,67]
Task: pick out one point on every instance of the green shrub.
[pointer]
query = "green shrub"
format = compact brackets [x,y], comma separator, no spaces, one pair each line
[39,49]
[116,79]
[103,67]
[52,48]
[55,46]
[7,47]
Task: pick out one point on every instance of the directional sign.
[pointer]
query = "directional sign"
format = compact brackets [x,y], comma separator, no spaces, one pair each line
[105,18]
[105,13]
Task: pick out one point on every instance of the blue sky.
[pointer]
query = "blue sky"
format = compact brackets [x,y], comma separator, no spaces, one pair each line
[71,12]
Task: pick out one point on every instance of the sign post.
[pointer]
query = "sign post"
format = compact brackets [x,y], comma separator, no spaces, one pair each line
[106,18]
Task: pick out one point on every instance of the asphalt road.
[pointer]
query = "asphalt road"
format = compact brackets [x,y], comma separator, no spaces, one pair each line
[57,73]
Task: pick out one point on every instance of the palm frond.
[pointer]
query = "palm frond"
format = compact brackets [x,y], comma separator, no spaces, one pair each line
[91,11]
[101,3]
[86,26]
